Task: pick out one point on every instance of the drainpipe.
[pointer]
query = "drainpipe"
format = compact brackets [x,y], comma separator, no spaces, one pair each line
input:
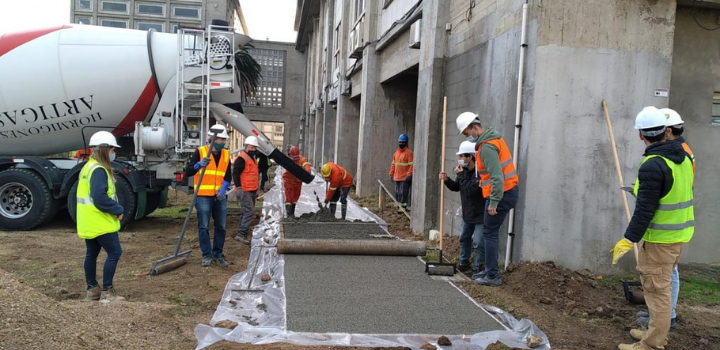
[518,115]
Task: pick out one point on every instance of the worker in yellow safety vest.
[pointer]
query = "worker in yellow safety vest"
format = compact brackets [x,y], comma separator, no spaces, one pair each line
[663,220]
[99,215]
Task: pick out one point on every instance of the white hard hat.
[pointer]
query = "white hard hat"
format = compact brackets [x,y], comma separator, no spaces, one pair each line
[465,119]
[466,147]
[673,118]
[252,141]
[221,129]
[103,138]
[648,118]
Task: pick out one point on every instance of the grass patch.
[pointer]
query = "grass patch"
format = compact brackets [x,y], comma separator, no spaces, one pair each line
[695,291]
[181,299]
[170,212]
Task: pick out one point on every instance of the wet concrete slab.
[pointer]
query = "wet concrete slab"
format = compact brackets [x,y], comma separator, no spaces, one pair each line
[375,295]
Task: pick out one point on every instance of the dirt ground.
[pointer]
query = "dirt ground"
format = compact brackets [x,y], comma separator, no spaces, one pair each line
[42,289]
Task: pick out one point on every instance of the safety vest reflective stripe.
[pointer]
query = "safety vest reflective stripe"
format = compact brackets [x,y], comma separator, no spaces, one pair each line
[304,164]
[502,165]
[214,172]
[403,164]
[682,205]
[333,188]
[672,227]
[345,174]
[507,176]
[91,222]
[220,173]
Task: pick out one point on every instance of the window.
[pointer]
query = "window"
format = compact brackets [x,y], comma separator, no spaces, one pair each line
[279,128]
[360,7]
[150,9]
[270,87]
[113,23]
[84,5]
[114,6]
[716,105]
[336,48]
[186,12]
[83,20]
[160,27]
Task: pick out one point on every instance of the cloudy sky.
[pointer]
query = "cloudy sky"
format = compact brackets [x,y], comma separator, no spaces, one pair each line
[265,19]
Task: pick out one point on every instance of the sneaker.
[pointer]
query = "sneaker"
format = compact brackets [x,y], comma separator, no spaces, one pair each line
[110,295]
[645,322]
[206,260]
[635,346]
[242,238]
[220,259]
[93,293]
[479,275]
[639,334]
[643,314]
[490,282]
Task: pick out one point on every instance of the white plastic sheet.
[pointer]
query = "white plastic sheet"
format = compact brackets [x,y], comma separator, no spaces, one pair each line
[259,307]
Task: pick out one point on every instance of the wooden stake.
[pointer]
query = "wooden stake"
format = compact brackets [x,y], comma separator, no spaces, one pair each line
[618,170]
[442,168]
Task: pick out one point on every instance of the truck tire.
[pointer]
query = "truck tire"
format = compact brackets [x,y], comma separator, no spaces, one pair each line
[25,200]
[126,198]
[153,201]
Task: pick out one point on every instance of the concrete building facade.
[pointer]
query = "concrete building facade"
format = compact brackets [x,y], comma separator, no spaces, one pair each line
[376,69]
[161,15]
[276,108]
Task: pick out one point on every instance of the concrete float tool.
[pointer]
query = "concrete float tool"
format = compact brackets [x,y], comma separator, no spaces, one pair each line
[178,258]
[441,268]
[633,297]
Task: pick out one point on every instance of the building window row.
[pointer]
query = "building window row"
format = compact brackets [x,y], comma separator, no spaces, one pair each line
[141,8]
[270,87]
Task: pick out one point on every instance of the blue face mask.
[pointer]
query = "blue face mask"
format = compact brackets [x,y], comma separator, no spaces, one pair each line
[112,156]
[473,139]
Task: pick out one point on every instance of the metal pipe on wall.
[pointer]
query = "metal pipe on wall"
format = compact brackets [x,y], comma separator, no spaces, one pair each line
[518,117]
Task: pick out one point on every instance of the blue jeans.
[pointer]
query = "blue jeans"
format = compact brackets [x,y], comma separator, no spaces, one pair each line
[491,230]
[111,243]
[470,239]
[675,283]
[207,206]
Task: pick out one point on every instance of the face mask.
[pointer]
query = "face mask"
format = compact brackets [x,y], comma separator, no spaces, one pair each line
[219,146]
[112,156]
[461,162]
[473,139]
[252,153]
[403,145]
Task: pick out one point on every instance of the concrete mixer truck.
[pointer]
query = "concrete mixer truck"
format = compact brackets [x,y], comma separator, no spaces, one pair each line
[158,93]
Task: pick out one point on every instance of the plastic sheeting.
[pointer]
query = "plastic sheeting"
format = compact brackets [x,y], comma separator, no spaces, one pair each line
[259,307]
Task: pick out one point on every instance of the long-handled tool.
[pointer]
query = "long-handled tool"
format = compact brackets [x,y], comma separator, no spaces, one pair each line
[441,268]
[618,170]
[181,258]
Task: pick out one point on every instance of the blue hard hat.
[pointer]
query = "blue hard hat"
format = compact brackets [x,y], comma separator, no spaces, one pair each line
[403,138]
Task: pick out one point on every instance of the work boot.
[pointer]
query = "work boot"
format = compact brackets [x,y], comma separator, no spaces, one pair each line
[206,260]
[343,211]
[291,213]
[220,259]
[635,346]
[333,208]
[110,295]
[242,238]
[489,282]
[645,322]
[638,334]
[464,268]
[93,293]
[643,314]
[479,275]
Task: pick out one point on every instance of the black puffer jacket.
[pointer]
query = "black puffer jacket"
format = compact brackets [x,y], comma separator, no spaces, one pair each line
[473,203]
[656,180]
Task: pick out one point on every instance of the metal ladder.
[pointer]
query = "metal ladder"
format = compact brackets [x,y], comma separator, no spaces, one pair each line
[203,56]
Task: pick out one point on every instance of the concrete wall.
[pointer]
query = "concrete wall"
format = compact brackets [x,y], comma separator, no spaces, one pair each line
[587,50]
[481,77]
[695,76]
[292,110]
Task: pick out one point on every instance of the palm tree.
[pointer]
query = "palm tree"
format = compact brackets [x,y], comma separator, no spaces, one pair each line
[248,71]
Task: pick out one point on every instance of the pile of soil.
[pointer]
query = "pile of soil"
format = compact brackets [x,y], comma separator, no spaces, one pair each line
[575,293]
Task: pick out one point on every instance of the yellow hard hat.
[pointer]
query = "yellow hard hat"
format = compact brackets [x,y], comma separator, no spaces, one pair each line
[325,170]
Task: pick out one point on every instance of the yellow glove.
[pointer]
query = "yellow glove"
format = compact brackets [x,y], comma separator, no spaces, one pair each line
[621,247]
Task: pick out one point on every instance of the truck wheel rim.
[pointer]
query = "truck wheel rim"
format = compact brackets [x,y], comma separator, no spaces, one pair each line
[15,200]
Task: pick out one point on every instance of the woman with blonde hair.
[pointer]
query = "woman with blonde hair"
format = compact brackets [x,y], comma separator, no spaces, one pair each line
[99,215]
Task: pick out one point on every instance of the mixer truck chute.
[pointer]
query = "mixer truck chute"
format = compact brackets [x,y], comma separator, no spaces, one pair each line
[158,92]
